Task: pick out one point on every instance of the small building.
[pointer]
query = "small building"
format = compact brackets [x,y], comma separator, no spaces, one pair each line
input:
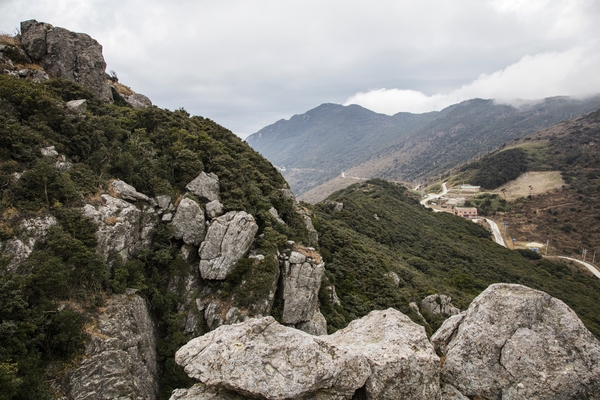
[466,212]
[470,188]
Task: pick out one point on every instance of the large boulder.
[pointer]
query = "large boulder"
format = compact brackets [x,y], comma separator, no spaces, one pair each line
[301,272]
[127,192]
[403,362]
[316,326]
[205,186]
[120,355]
[261,358]
[65,54]
[439,304]
[514,342]
[188,223]
[228,239]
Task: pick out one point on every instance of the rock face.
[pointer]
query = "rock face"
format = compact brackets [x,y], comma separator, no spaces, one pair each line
[123,228]
[138,100]
[202,392]
[32,231]
[65,54]
[128,192]
[228,238]
[316,326]
[261,358]
[120,360]
[439,304]
[214,209]
[205,186]
[518,343]
[403,362]
[301,280]
[188,222]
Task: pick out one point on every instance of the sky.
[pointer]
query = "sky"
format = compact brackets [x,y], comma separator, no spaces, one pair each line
[249,63]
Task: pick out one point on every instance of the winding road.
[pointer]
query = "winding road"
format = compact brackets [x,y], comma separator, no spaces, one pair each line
[589,266]
[435,196]
[497,235]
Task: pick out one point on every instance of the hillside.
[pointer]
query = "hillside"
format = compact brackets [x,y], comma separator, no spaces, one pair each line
[317,146]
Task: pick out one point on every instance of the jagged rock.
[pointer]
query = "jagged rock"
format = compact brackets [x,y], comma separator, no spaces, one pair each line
[313,235]
[403,362]
[62,164]
[227,240]
[261,358]
[301,281]
[188,223]
[120,356]
[333,297]
[31,232]
[128,192]
[202,392]
[316,326]
[449,392]
[77,106]
[444,335]
[65,54]
[34,74]
[394,276]
[439,304]
[49,151]
[518,343]
[288,194]
[167,217]
[205,186]
[187,287]
[123,228]
[214,209]
[413,306]
[163,202]
[275,214]
[138,100]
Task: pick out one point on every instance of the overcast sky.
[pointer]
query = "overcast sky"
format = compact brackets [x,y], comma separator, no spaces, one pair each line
[248,63]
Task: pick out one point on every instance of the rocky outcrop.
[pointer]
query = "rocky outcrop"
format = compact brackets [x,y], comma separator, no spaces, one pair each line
[228,239]
[214,209]
[383,356]
[77,106]
[123,228]
[188,223]
[128,192]
[31,232]
[202,392]
[514,342]
[439,304]
[120,356]
[205,186]
[137,100]
[261,358]
[316,326]
[65,54]
[403,362]
[301,273]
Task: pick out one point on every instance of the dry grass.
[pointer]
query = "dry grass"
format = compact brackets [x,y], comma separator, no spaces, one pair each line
[540,182]
[6,39]
[112,220]
[306,252]
[91,328]
[29,66]
[121,89]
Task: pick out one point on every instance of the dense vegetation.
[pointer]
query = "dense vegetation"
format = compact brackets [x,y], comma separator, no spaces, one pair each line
[46,302]
[383,229]
[495,170]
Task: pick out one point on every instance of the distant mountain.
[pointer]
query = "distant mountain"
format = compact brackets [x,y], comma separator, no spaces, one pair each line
[313,148]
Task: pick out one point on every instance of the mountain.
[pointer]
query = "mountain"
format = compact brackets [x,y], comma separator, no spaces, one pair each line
[313,149]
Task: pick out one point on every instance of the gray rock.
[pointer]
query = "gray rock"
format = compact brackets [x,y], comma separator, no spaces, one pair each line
[439,304]
[288,194]
[444,335]
[77,106]
[205,186]
[228,238]
[394,277]
[214,209]
[188,223]
[35,75]
[65,54]
[275,214]
[333,297]
[31,231]
[49,151]
[167,217]
[301,280]
[120,355]
[128,192]
[518,343]
[403,362]
[313,235]
[163,202]
[413,306]
[316,326]
[202,392]
[123,228]
[261,358]
[138,100]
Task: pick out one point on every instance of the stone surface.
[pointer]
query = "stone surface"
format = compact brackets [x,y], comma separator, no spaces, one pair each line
[275,214]
[301,280]
[394,277]
[188,223]
[77,106]
[65,54]
[128,192]
[403,362]
[163,202]
[333,297]
[202,392]
[31,231]
[313,235]
[214,209]
[120,356]
[439,304]
[138,100]
[518,343]
[49,151]
[227,240]
[123,228]
[205,186]
[261,358]
[316,326]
